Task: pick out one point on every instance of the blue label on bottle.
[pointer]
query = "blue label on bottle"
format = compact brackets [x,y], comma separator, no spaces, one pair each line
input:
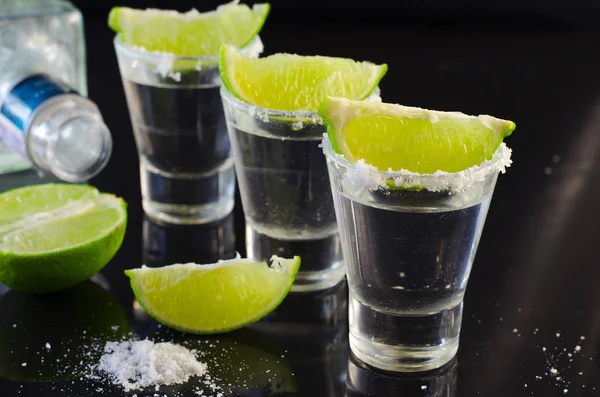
[25,97]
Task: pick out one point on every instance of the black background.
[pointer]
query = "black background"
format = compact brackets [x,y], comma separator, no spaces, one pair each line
[534,62]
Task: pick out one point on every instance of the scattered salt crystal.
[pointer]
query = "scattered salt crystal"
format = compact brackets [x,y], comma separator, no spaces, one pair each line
[115,327]
[424,387]
[515,331]
[23,364]
[577,348]
[14,325]
[48,346]
[582,337]
[558,335]
[543,349]
[138,364]
[565,391]
[553,371]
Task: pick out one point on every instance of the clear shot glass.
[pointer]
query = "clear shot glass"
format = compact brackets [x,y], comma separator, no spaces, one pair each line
[409,242]
[284,186]
[186,169]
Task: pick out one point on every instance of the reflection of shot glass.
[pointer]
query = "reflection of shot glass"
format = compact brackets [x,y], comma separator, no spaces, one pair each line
[409,254]
[208,243]
[363,381]
[186,170]
[313,329]
[284,185]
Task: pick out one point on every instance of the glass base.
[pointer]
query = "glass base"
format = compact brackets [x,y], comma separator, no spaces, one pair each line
[187,214]
[322,265]
[400,343]
[191,198]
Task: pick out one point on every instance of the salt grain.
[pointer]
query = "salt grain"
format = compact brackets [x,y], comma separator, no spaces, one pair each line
[138,364]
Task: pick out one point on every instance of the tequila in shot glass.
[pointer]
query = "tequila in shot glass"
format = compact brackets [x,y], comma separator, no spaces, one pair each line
[409,239]
[281,171]
[186,169]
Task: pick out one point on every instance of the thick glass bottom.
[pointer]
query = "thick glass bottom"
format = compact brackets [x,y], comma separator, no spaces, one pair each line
[322,265]
[401,343]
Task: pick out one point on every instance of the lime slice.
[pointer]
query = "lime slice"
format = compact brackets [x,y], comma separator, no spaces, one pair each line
[54,236]
[423,141]
[191,33]
[295,82]
[215,298]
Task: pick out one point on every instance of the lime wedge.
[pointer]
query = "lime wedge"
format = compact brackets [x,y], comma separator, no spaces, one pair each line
[215,298]
[191,33]
[295,82]
[396,137]
[54,236]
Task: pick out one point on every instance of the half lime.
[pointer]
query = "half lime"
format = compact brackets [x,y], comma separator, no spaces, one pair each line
[54,236]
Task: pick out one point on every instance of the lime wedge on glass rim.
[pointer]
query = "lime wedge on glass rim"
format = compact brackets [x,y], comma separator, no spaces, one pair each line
[192,33]
[396,137]
[54,236]
[214,298]
[294,82]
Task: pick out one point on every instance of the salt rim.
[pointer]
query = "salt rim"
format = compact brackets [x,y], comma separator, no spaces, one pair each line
[264,114]
[163,61]
[367,176]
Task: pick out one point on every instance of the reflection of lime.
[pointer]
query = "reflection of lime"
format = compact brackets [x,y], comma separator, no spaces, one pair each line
[215,298]
[54,236]
[51,337]
[407,138]
[192,33]
[294,82]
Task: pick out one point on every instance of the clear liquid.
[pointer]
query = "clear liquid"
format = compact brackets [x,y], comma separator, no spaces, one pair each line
[186,171]
[407,271]
[287,202]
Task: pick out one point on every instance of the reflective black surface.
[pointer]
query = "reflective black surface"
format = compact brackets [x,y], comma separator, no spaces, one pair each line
[533,292]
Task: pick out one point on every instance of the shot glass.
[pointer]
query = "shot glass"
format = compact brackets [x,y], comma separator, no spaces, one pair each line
[186,169]
[409,252]
[284,186]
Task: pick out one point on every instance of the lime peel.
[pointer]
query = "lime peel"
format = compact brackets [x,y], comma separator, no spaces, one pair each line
[213,298]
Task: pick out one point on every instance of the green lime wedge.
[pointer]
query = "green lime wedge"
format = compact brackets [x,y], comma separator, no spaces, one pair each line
[295,82]
[215,298]
[396,137]
[54,236]
[192,33]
